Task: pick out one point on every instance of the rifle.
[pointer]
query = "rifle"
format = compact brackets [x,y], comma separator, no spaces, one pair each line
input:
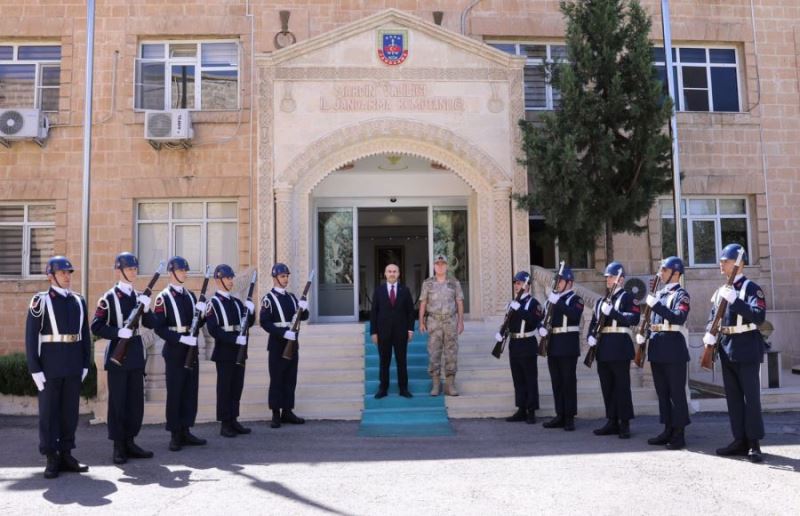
[710,352]
[644,327]
[244,331]
[499,346]
[288,350]
[121,349]
[601,321]
[544,342]
[194,329]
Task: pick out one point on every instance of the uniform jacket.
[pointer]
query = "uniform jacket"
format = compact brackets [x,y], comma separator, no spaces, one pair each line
[625,313]
[672,308]
[173,309]
[113,309]
[750,307]
[273,304]
[566,312]
[226,311]
[526,319]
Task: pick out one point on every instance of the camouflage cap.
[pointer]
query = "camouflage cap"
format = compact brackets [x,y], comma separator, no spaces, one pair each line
[440,258]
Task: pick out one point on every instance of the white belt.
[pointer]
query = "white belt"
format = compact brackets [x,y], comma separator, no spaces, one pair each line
[60,338]
[616,329]
[733,330]
[667,327]
[282,324]
[234,327]
[565,329]
[522,335]
[180,329]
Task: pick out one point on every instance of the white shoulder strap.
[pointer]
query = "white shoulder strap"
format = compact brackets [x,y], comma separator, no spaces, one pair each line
[224,315]
[742,296]
[117,307]
[278,306]
[166,294]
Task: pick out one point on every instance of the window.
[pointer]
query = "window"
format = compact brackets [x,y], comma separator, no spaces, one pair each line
[196,75]
[706,79]
[203,232]
[30,76]
[539,93]
[545,251]
[708,226]
[26,238]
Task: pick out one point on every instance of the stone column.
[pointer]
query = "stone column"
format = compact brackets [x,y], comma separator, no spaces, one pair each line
[283,224]
[500,266]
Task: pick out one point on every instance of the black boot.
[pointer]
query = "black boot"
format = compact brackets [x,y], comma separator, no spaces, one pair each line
[519,415]
[737,447]
[238,428]
[556,422]
[175,443]
[531,417]
[662,438]
[289,417]
[624,429]
[70,463]
[569,424]
[677,440]
[135,451]
[276,419]
[53,465]
[191,440]
[226,430]
[118,457]
[610,428]
[754,454]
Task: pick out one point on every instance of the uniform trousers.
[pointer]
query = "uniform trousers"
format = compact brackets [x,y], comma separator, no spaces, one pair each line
[58,414]
[182,385]
[230,383]
[565,384]
[282,378]
[125,402]
[670,382]
[525,375]
[743,394]
[615,382]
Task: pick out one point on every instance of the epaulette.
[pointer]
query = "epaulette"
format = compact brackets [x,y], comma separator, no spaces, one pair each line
[36,306]
[103,303]
[265,302]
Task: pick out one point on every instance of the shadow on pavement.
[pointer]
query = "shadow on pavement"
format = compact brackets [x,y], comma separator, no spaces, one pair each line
[68,489]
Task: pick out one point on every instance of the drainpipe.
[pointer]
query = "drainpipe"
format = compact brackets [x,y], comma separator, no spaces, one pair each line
[87,147]
[465,14]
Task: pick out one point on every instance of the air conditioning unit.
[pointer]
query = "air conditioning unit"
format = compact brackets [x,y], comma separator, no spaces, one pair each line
[23,124]
[638,286]
[172,125]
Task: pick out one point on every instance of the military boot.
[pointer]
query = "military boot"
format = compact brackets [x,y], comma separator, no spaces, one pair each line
[624,429]
[450,385]
[53,465]
[610,428]
[436,385]
[754,453]
[175,443]
[238,428]
[226,430]
[287,416]
[556,422]
[70,463]
[530,418]
[191,440]
[737,447]
[519,415]
[569,424]
[662,438]
[276,419]
[118,457]
[677,441]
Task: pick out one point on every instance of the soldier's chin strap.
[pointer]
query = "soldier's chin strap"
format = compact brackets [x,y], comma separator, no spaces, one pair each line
[122,270]
[56,281]
[225,287]
[176,277]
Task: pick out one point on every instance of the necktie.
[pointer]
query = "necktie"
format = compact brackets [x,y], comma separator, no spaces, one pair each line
[392,296]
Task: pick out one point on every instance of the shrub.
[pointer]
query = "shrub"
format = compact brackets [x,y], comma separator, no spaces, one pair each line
[16,380]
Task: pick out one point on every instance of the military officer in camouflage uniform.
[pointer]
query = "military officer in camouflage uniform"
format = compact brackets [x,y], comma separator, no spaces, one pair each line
[441,314]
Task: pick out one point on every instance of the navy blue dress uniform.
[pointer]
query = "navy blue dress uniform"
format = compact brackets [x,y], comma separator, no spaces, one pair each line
[741,353]
[522,354]
[58,348]
[174,310]
[224,321]
[278,307]
[614,354]
[126,381]
[668,354]
[562,355]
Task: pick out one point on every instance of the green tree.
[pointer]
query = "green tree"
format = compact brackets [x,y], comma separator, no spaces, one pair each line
[598,162]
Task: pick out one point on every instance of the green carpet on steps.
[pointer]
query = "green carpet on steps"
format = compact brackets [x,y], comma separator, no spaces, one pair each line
[395,416]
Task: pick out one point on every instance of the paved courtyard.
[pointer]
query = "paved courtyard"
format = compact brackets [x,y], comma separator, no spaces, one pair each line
[488,467]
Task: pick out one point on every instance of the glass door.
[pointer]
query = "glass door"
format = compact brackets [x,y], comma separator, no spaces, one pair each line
[336,230]
[450,237]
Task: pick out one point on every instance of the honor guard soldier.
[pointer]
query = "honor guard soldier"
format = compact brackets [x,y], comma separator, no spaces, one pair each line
[125,381]
[564,350]
[441,314]
[668,353]
[615,352]
[523,326]
[741,352]
[174,310]
[58,349]
[278,307]
[224,322]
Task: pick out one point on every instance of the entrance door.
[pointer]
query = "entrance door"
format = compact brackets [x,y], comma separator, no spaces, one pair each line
[336,231]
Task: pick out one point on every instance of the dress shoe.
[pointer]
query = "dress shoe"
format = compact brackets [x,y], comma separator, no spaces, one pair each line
[406,394]
[276,419]
[610,428]
[380,394]
[175,443]
[134,451]
[677,441]
[737,447]
[624,430]
[662,438]
[569,424]
[519,415]
[226,430]
[53,465]
[754,454]
[118,457]
[556,422]
[238,428]
[192,440]
[70,463]
[287,416]
[530,418]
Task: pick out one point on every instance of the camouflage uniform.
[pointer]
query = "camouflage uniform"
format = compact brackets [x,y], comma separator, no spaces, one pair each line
[440,319]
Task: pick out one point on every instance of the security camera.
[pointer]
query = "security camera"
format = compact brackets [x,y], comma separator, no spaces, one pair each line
[392,199]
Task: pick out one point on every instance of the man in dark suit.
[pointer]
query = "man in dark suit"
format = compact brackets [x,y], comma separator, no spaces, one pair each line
[392,326]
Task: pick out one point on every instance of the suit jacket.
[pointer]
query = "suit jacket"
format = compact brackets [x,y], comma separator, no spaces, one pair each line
[392,323]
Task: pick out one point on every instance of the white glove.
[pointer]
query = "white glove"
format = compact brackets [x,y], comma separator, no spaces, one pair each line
[124,333]
[39,379]
[290,335]
[514,305]
[709,340]
[188,340]
[84,373]
[145,301]
[592,341]
[201,307]
[606,308]
[651,300]
[302,304]
[727,293]
[553,298]
[241,340]
[250,306]
[640,339]
[498,337]
[543,332]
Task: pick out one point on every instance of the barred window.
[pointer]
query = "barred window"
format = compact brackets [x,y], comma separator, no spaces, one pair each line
[539,69]
[30,76]
[26,238]
[706,79]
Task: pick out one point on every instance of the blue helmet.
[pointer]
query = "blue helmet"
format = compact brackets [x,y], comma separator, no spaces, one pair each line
[673,263]
[223,271]
[58,263]
[522,276]
[731,252]
[125,260]
[567,274]
[177,263]
[280,268]
[614,268]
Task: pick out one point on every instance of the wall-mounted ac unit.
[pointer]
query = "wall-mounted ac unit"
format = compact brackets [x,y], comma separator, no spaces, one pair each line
[172,125]
[638,286]
[23,124]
